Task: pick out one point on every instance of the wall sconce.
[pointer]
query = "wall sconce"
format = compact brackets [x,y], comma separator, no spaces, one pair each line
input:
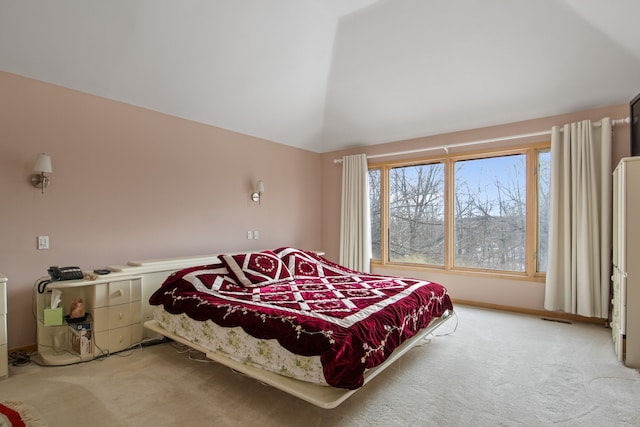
[257,193]
[42,165]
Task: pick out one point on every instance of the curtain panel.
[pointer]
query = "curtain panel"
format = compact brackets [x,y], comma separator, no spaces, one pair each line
[355,227]
[579,267]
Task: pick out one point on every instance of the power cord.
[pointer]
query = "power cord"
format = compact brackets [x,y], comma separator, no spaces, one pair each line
[455,328]
[19,359]
[42,285]
[427,338]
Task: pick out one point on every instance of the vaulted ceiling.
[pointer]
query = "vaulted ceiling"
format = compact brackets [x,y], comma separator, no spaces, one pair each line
[330,74]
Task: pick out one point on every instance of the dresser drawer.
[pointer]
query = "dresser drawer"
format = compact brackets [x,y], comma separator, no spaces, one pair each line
[113,340]
[4,361]
[3,298]
[119,339]
[119,316]
[136,313]
[118,292]
[3,329]
[136,290]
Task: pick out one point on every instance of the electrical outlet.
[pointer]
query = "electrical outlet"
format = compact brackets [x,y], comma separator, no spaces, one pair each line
[249,235]
[43,242]
[256,235]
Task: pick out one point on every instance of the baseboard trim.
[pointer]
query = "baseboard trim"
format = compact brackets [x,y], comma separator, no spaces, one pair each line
[539,313]
[26,349]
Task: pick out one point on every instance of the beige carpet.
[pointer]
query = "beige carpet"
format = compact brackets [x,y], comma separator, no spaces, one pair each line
[497,369]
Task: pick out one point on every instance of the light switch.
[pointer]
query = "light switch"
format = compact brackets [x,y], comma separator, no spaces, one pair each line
[43,242]
[249,235]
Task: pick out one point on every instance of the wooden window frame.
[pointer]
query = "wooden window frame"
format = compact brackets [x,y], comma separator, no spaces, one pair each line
[529,150]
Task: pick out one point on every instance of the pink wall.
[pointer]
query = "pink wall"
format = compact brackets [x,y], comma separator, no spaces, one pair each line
[130,183]
[504,291]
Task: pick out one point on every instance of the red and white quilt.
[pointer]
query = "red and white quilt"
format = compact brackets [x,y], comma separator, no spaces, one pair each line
[313,307]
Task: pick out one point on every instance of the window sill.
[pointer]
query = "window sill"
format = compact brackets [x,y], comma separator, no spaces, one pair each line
[538,277]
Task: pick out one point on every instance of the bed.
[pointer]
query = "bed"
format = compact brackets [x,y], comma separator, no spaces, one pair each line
[297,321]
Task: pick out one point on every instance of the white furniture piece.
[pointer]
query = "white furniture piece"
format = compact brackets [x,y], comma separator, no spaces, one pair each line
[625,313]
[117,315]
[118,305]
[4,355]
[117,302]
[114,303]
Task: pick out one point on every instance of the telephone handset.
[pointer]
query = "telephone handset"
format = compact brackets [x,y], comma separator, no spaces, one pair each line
[65,273]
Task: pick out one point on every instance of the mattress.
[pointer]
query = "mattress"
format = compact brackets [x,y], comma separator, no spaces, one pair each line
[237,345]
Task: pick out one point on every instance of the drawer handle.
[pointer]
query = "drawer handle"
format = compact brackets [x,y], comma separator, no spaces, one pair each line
[119,293]
[120,315]
[121,339]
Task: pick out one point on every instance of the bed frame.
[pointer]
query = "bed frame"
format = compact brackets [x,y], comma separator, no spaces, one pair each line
[154,272]
[323,396]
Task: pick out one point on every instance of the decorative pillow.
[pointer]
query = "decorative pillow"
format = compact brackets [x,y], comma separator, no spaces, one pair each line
[300,263]
[255,269]
[309,264]
[208,275]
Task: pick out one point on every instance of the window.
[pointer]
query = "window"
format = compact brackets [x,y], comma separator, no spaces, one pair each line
[374,207]
[484,212]
[544,178]
[416,214]
[490,213]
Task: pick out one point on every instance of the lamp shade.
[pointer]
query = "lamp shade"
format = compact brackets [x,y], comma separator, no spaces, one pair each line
[260,187]
[43,163]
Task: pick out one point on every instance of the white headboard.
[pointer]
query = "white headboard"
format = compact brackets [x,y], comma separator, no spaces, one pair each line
[155,271]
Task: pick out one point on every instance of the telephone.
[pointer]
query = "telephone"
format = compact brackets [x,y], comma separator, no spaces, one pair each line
[65,273]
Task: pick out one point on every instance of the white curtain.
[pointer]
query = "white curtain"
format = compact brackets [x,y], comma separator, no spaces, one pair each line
[580,220]
[355,231]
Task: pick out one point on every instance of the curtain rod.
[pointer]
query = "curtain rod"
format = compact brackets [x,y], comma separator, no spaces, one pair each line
[626,120]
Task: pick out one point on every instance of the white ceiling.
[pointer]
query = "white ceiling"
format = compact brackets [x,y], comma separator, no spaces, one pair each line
[330,74]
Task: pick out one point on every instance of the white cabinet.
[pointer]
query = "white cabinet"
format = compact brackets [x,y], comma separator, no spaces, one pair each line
[625,313]
[114,303]
[117,315]
[4,367]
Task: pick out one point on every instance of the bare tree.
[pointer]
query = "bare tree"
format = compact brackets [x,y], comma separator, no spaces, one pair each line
[544,187]
[416,229]
[490,220]
[375,211]
[489,213]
